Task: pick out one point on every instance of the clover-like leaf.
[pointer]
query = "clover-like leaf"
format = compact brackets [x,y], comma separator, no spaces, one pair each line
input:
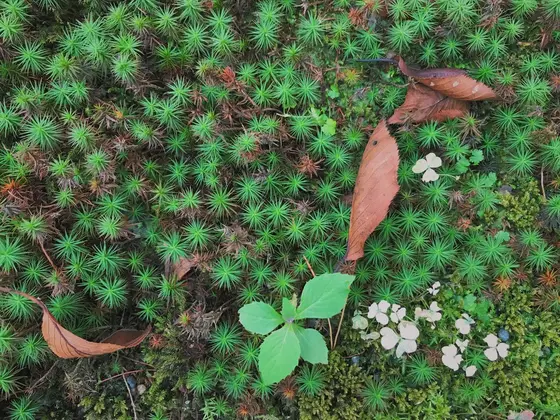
[324,296]
[259,318]
[279,355]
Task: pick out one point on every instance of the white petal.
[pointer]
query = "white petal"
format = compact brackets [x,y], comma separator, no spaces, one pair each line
[432,292]
[395,307]
[389,338]
[450,350]
[394,317]
[491,340]
[384,306]
[462,344]
[371,336]
[406,346]
[401,313]
[502,349]
[433,160]
[418,313]
[372,310]
[434,316]
[468,318]
[450,361]
[430,175]
[491,354]
[409,330]
[382,318]
[359,322]
[436,285]
[463,326]
[420,166]
[470,371]
[435,307]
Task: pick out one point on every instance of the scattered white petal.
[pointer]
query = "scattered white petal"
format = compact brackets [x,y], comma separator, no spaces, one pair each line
[420,166]
[463,326]
[503,349]
[450,357]
[491,340]
[389,338]
[462,344]
[371,336]
[359,322]
[384,306]
[491,353]
[406,346]
[470,371]
[430,175]
[409,330]
[433,161]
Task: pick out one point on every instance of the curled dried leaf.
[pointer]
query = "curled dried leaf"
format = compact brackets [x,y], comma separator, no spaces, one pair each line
[67,345]
[454,83]
[376,186]
[424,104]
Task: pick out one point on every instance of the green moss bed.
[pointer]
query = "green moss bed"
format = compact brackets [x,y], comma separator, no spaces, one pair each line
[227,134]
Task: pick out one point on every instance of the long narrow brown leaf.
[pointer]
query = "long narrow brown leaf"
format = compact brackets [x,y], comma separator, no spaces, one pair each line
[67,345]
[454,83]
[424,104]
[376,186]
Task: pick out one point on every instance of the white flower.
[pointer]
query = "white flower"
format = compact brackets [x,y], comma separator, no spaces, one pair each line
[464,323]
[434,290]
[494,349]
[450,357]
[371,336]
[359,322]
[462,344]
[379,312]
[405,340]
[427,166]
[433,314]
[470,371]
[397,313]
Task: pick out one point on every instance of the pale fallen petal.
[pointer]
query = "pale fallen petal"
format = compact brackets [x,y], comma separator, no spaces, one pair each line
[420,166]
[430,175]
[433,161]
[463,326]
[450,350]
[384,306]
[491,353]
[389,338]
[382,318]
[409,330]
[491,340]
[406,346]
[503,349]
[372,310]
[470,371]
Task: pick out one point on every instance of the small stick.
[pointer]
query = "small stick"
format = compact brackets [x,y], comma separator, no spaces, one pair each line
[53,265]
[339,326]
[42,378]
[131,399]
[130,372]
[309,266]
[542,183]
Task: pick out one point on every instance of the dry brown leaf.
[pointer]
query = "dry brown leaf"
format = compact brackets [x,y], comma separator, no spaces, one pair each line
[182,267]
[376,186]
[67,345]
[454,83]
[424,104]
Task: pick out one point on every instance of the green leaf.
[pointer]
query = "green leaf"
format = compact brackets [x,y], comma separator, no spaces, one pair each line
[288,310]
[312,345]
[324,296]
[259,317]
[333,92]
[502,236]
[469,303]
[329,127]
[279,355]
[476,157]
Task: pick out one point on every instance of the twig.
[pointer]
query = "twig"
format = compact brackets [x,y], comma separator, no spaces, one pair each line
[42,378]
[339,326]
[130,372]
[309,266]
[542,183]
[328,320]
[131,399]
[53,265]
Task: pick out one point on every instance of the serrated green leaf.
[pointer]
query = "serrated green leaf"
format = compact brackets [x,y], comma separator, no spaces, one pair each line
[502,236]
[476,157]
[259,317]
[312,345]
[288,310]
[469,303]
[329,127]
[324,296]
[279,355]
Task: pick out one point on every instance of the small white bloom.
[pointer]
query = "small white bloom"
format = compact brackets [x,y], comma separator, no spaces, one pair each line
[462,344]
[379,312]
[371,336]
[470,371]
[432,315]
[427,166]
[405,340]
[434,290]
[359,322]
[397,313]
[495,349]
[464,323]
[450,357]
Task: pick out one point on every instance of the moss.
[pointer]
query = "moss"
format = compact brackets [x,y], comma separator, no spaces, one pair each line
[340,397]
[520,208]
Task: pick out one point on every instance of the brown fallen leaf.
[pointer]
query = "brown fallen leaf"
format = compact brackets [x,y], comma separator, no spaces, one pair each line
[67,345]
[424,104]
[182,267]
[454,83]
[376,186]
